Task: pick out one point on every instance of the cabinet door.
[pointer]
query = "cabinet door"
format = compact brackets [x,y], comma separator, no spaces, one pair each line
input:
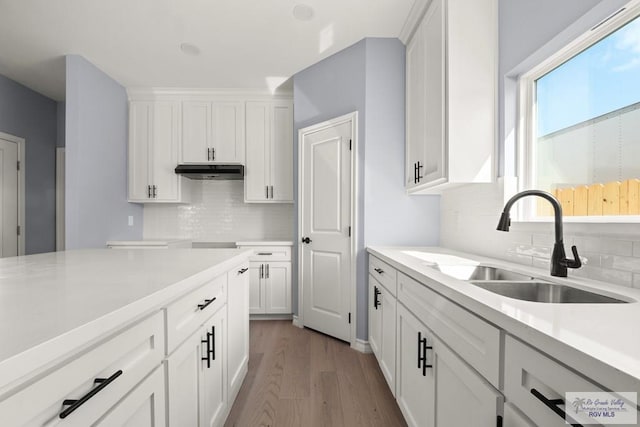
[375,315]
[213,399]
[238,324]
[278,287]
[164,150]
[258,130]
[434,110]
[458,386]
[282,152]
[414,390]
[513,417]
[415,104]
[184,369]
[140,134]
[143,407]
[387,357]
[257,298]
[228,132]
[196,131]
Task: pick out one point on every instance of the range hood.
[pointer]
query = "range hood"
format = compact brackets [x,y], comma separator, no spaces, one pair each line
[207,171]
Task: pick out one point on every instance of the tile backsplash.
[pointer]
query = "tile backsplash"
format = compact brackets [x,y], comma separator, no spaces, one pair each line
[217,213]
[469,215]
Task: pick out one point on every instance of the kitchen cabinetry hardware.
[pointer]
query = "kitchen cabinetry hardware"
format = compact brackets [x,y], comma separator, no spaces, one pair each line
[271,187]
[148,191]
[376,294]
[155,192]
[422,355]
[415,173]
[265,253]
[554,404]
[266,189]
[213,154]
[418,176]
[76,403]
[206,303]
[242,271]
[262,271]
[208,342]
[306,240]
[267,270]
[209,154]
[378,270]
[499,421]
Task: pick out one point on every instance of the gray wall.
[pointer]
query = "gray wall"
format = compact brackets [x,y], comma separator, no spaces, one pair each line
[368,77]
[61,119]
[96,159]
[32,116]
[526,30]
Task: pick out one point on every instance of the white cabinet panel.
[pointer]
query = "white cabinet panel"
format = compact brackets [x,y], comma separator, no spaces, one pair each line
[257,299]
[213,397]
[375,328]
[513,417]
[143,407]
[228,132]
[238,326]
[387,305]
[415,102]
[140,131]
[278,287]
[165,151]
[269,151]
[196,131]
[184,369]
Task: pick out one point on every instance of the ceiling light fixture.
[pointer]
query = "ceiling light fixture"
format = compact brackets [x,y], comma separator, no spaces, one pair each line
[303,12]
[190,49]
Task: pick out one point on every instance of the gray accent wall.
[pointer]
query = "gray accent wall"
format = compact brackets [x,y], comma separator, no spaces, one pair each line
[96,159]
[368,77]
[29,115]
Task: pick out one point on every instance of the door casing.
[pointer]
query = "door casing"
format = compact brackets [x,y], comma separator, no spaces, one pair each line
[21,187]
[353,118]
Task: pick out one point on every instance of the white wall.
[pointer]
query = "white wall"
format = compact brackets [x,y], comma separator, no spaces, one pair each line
[217,213]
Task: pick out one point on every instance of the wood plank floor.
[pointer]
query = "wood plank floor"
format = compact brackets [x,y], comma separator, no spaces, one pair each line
[299,377]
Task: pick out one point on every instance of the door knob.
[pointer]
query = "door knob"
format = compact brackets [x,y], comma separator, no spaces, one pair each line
[306,240]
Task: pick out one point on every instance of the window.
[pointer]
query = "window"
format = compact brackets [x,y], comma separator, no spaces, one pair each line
[581,126]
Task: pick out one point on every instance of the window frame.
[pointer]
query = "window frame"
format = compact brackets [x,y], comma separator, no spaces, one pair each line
[526,118]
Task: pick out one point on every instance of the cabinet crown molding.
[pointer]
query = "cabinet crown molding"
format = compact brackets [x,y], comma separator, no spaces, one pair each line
[150,93]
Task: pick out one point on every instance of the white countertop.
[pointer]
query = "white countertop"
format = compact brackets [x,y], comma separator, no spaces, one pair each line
[51,301]
[265,243]
[582,336]
[148,242]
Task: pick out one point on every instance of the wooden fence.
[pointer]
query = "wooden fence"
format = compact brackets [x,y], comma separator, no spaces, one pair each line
[613,198]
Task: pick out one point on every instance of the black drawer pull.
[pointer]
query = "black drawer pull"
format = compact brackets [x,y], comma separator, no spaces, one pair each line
[376,294]
[553,405]
[422,342]
[242,271]
[378,270]
[208,342]
[265,253]
[206,303]
[75,404]
[213,342]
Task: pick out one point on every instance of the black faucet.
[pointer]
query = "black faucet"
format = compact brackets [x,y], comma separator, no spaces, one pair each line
[559,261]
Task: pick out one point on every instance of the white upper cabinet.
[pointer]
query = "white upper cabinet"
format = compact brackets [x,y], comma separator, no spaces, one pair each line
[212,132]
[153,153]
[269,158]
[451,95]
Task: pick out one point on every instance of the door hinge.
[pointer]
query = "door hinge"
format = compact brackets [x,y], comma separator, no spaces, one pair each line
[18,165]
[349,231]
[349,317]
[18,230]
[349,145]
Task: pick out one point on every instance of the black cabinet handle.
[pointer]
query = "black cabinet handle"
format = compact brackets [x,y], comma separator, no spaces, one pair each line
[378,270]
[553,404]
[266,189]
[75,404]
[155,192]
[267,270]
[419,177]
[262,271]
[243,270]
[422,342]
[149,191]
[306,240]
[265,253]
[213,154]
[419,348]
[206,303]
[208,342]
[376,293]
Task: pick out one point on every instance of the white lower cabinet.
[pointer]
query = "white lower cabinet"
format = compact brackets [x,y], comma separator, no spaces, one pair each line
[238,322]
[270,287]
[434,387]
[196,377]
[143,407]
[382,330]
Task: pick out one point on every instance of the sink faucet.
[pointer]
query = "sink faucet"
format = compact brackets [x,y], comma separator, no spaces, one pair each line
[559,261]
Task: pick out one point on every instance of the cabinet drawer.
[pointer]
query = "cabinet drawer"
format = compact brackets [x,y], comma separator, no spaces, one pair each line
[526,369]
[384,273]
[125,358]
[189,312]
[269,253]
[473,339]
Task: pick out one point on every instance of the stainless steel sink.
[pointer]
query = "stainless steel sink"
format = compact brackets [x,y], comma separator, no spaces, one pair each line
[546,292]
[485,272]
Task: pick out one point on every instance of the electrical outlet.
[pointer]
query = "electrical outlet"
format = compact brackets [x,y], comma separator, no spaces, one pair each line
[130,220]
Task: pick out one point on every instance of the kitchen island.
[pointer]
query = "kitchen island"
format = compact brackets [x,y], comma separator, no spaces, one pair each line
[66,312]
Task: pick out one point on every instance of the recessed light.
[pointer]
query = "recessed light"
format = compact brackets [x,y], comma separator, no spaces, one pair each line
[190,49]
[303,12]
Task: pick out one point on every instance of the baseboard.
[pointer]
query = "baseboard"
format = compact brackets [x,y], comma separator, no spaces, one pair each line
[270,316]
[362,346]
[297,322]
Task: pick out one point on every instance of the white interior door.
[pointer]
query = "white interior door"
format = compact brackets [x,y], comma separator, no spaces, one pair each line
[325,198]
[9,198]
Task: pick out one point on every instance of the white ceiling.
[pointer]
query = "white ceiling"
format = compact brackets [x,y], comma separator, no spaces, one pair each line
[243,43]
